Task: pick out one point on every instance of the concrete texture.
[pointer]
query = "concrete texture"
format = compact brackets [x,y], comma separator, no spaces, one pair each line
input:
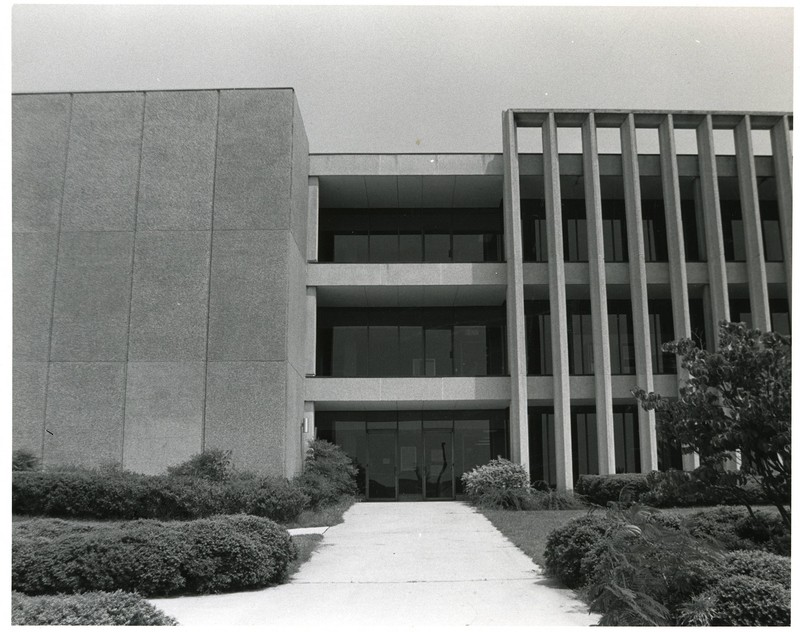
[40,126]
[103,164]
[299,186]
[163,414]
[93,289]
[246,412]
[28,388]
[247,311]
[85,403]
[400,564]
[177,181]
[254,144]
[169,303]
[34,264]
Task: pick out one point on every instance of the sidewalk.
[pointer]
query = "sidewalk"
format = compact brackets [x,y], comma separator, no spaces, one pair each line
[400,564]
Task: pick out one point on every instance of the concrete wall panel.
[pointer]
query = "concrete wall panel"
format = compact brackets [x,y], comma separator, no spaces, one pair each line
[177,180]
[85,402]
[293,431]
[34,267]
[248,305]
[246,413]
[296,320]
[40,126]
[299,220]
[163,414]
[90,314]
[254,143]
[170,296]
[29,392]
[103,164]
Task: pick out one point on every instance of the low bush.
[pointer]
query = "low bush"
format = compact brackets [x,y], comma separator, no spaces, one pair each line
[328,474]
[735,529]
[211,465]
[94,608]
[568,545]
[127,496]
[499,483]
[553,499]
[761,565]
[152,558]
[602,489]
[703,487]
[748,601]
[24,461]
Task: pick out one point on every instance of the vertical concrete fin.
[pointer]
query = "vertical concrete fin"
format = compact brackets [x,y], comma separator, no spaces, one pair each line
[558,305]
[715,247]
[597,291]
[638,285]
[751,218]
[782,160]
[515,299]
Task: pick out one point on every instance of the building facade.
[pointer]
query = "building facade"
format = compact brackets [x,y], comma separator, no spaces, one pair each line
[187,276]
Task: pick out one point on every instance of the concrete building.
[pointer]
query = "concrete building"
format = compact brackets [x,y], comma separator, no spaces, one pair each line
[187,276]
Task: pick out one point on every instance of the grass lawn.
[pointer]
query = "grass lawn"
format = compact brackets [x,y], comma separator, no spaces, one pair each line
[528,530]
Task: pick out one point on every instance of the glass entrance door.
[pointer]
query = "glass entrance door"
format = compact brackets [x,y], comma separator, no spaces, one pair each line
[438,455]
[382,464]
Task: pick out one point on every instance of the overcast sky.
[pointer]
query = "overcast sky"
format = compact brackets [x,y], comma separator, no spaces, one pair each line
[417,79]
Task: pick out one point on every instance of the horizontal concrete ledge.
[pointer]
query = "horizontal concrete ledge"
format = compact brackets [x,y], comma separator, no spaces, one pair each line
[410,274]
[416,390]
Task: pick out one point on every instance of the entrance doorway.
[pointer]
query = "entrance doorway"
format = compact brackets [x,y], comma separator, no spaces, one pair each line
[415,456]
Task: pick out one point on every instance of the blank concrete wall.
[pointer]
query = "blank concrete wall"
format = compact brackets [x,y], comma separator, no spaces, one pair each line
[157,265]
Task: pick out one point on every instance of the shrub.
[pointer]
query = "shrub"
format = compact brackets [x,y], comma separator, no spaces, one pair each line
[602,489]
[734,528]
[94,608]
[748,601]
[87,494]
[497,474]
[328,474]
[702,487]
[645,566]
[271,498]
[554,499]
[567,546]
[24,461]
[149,557]
[211,465]
[766,531]
[761,565]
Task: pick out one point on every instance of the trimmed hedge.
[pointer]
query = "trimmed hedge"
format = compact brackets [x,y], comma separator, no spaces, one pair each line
[94,608]
[602,489]
[568,545]
[128,496]
[220,554]
[761,565]
[749,601]
[735,529]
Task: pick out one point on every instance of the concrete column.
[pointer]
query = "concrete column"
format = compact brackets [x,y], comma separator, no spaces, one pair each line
[558,305]
[715,248]
[782,161]
[638,281]
[697,194]
[678,281]
[313,219]
[311,331]
[751,218]
[515,298]
[597,291]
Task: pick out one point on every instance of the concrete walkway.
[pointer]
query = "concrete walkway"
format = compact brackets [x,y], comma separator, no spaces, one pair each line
[400,564]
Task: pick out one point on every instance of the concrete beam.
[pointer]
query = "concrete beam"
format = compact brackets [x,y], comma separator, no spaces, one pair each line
[597,293]
[558,305]
[751,218]
[515,298]
[715,247]
[638,280]
[782,158]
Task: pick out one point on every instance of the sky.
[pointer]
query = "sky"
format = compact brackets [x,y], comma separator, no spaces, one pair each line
[417,79]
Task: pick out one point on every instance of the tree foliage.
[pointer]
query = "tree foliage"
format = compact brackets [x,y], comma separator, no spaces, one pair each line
[737,399]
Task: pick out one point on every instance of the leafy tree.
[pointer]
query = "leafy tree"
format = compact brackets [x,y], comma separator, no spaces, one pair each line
[735,399]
